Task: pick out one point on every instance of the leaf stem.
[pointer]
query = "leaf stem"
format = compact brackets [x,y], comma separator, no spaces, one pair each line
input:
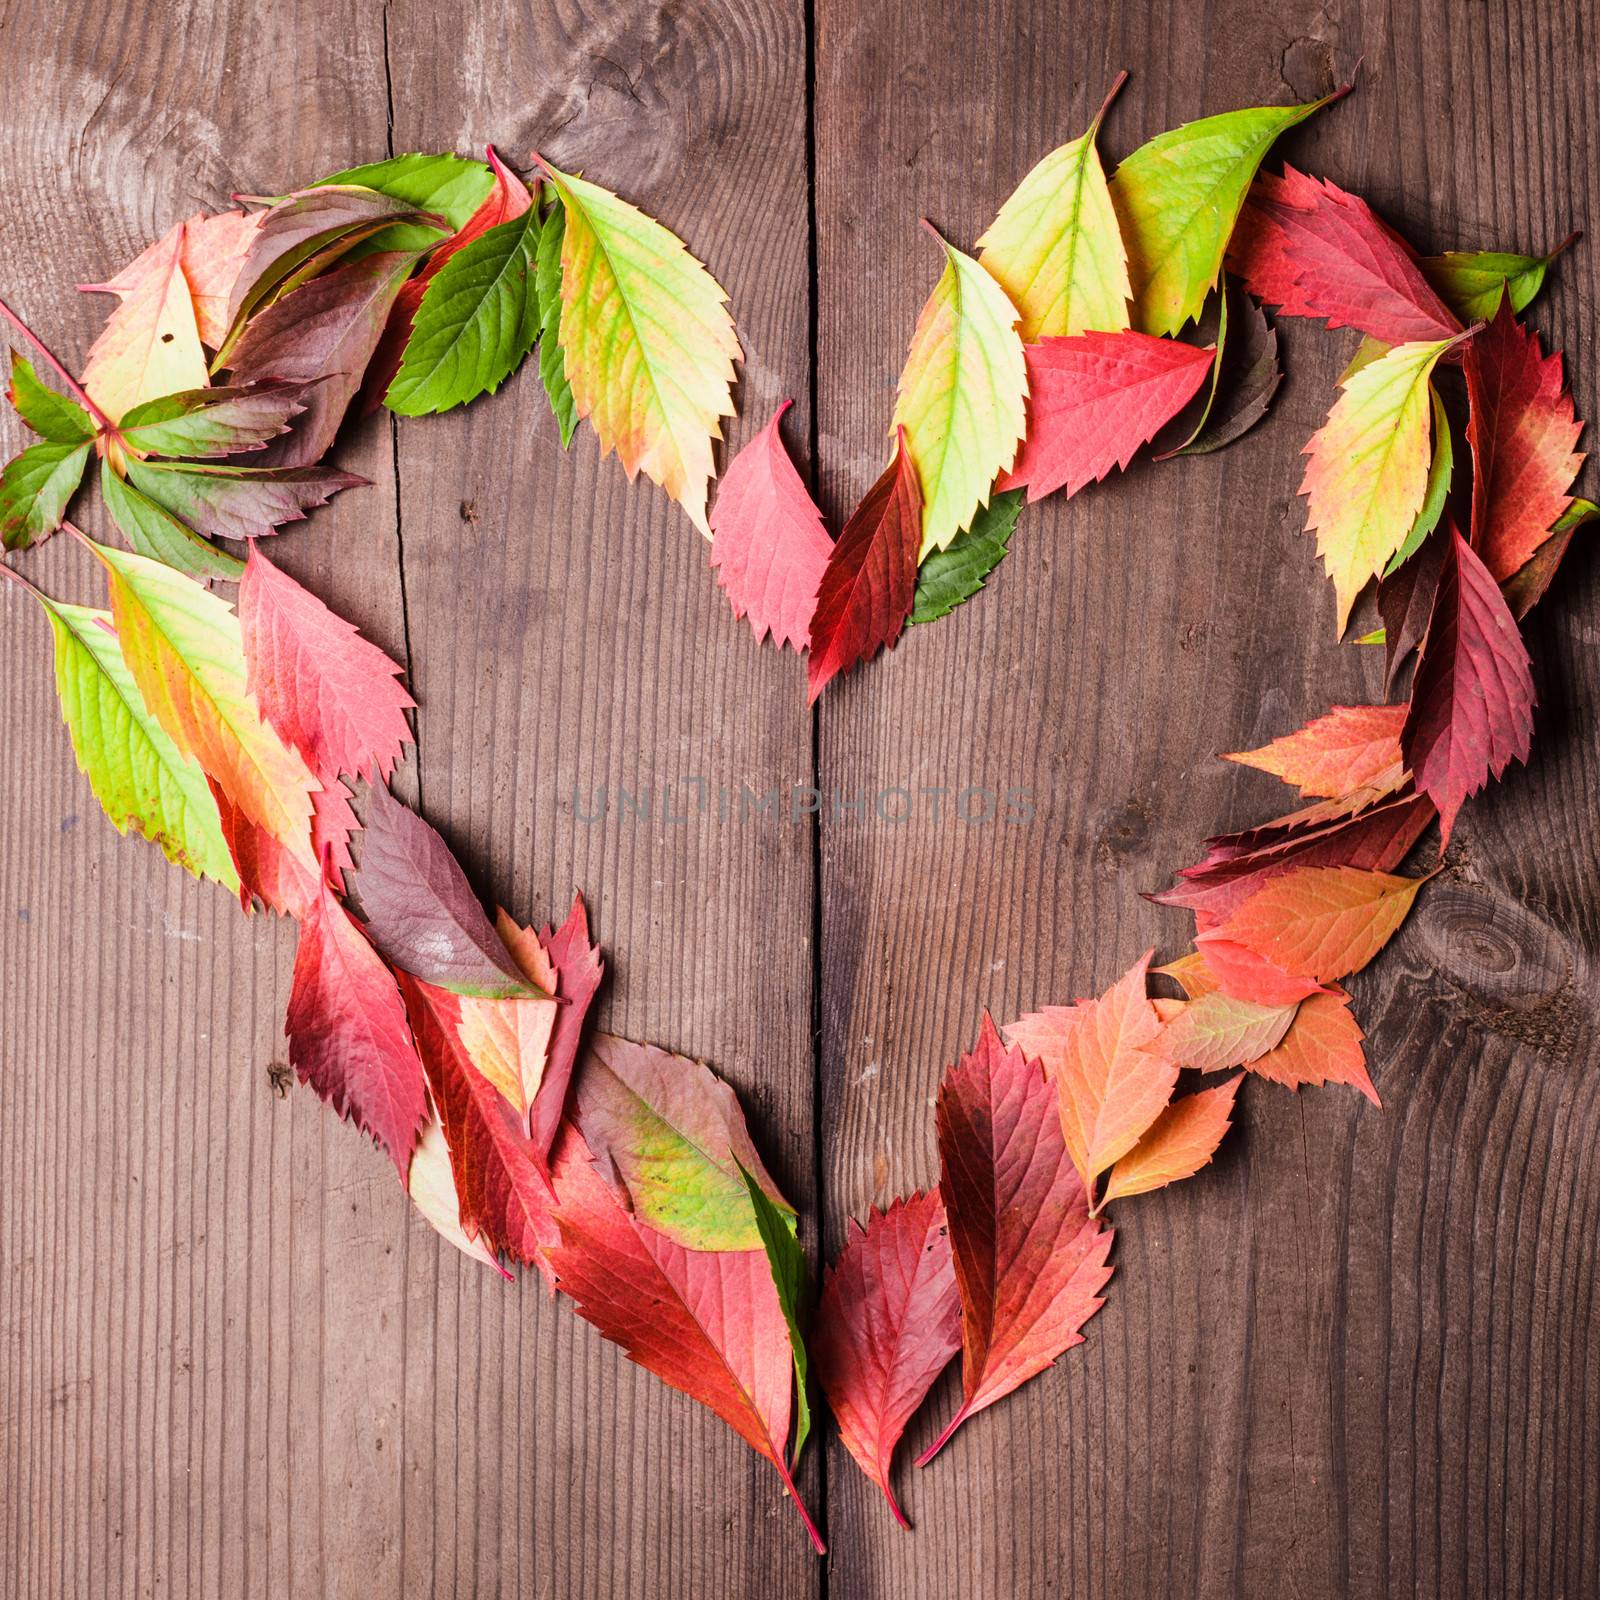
[944,1438]
[799,1504]
[80,394]
[1105,105]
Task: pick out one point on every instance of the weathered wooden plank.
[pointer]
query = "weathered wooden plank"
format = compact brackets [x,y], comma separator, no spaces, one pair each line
[568,637]
[1353,1358]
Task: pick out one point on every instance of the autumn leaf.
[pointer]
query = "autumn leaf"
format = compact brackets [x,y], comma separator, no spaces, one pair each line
[949,577]
[1218,1030]
[504,1198]
[1177,198]
[871,578]
[1095,400]
[1473,281]
[1521,429]
[348,1037]
[668,1134]
[1324,922]
[334,696]
[1440,470]
[648,341]
[791,1277]
[547,285]
[321,334]
[1029,1259]
[449,187]
[1472,702]
[1323,1045]
[768,543]
[1314,250]
[1368,473]
[706,1322]
[421,911]
[1348,747]
[150,345]
[959,409]
[183,648]
[35,489]
[1245,378]
[212,422]
[153,531]
[432,1188]
[233,502]
[1111,1087]
[1055,247]
[1530,583]
[56,418]
[887,1324]
[214,253]
[138,774]
[508,1041]
[579,969]
[1405,601]
[1244,975]
[280,874]
[1180,1142]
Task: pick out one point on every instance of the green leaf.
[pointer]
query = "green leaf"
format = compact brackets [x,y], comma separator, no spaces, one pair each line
[1377,636]
[54,417]
[949,576]
[478,319]
[1438,491]
[35,488]
[792,1279]
[212,422]
[1217,358]
[1178,198]
[547,283]
[153,531]
[1471,281]
[452,186]
[137,773]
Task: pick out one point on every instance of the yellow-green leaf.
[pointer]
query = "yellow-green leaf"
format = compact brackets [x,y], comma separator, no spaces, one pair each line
[1178,198]
[648,341]
[1056,248]
[1368,473]
[961,396]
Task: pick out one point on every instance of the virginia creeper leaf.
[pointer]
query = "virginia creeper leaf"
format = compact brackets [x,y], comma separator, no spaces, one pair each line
[280,874]
[1342,750]
[1095,400]
[35,490]
[1472,281]
[871,578]
[432,1187]
[56,418]
[348,1037]
[214,252]
[153,531]
[648,341]
[552,360]
[960,403]
[1055,247]
[1367,476]
[421,911]
[768,543]
[1521,429]
[950,576]
[230,502]
[448,186]
[668,1134]
[212,422]
[1527,587]
[334,696]
[1241,974]
[1472,696]
[1029,1259]
[579,969]
[1247,377]
[887,1325]
[1177,198]
[1405,601]
[1323,1045]
[1440,469]
[508,1041]
[1180,1142]
[1218,1031]
[791,1277]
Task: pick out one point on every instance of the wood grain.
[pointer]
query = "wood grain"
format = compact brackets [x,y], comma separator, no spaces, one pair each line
[1353,1357]
[1356,1357]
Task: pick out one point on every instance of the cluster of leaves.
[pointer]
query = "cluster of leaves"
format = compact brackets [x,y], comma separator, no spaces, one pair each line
[239,737]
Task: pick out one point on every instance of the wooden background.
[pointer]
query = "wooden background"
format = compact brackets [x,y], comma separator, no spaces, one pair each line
[1358,1357]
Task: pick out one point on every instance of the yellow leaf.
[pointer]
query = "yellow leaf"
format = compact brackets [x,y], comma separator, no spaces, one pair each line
[1180,1142]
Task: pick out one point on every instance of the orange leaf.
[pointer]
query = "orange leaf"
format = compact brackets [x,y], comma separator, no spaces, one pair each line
[1323,922]
[1217,1031]
[1349,748]
[1180,1142]
[508,1040]
[1323,1045]
[1243,975]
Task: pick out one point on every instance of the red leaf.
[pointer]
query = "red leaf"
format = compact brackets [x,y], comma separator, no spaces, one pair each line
[1305,245]
[1472,696]
[421,911]
[768,545]
[1405,601]
[283,877]
[579,969]
[506,201]
[504,1197]
[871,577]
[1521,428]
[347,1031]
[1347,748]
[706,1322]
[1094,398]
[333,695]
[888,1322]
[1029,1259]
[1245,975]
